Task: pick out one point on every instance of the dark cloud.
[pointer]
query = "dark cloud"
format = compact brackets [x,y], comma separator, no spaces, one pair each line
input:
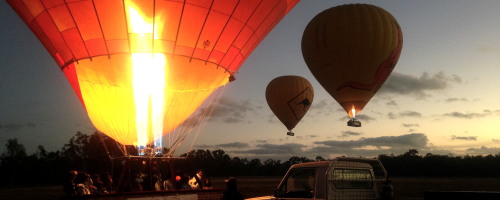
[483,150]
[228,110]
[456,99]
[468,138]
[410,125]
[349,133]
[324,107]
[16,126]
[234,145]
[391,103]
[410,114]
[413,140]
[419,87]
[371,146]
[204,146]
[305,137]
[276,149]
[468,115]
[365,147]
[404,114]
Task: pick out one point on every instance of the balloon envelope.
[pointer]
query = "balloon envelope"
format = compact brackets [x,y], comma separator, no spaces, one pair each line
[351,50]
[141,67]
[289,97]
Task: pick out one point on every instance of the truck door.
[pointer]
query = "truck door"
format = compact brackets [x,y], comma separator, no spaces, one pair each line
[299,184]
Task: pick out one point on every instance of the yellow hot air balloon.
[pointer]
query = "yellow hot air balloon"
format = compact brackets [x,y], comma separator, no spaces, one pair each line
[289,97]
[351,50]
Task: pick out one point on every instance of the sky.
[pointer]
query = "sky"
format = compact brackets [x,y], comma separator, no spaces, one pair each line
[443,96]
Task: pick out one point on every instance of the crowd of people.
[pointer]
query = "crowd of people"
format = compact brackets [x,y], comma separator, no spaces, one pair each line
[81,183]
[144,182]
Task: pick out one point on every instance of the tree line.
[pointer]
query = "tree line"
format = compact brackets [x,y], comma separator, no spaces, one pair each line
[93,154]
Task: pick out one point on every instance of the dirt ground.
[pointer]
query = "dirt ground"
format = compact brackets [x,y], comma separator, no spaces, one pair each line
[404,187]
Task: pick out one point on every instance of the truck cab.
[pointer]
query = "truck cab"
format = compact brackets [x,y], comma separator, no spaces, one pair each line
[342,178]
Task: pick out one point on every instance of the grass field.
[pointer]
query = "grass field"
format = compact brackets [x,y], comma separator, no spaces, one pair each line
[404,188]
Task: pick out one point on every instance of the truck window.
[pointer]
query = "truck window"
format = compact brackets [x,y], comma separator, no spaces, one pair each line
[351,178]
[299,184]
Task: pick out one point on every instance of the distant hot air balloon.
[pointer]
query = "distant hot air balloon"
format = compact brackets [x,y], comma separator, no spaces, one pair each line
[289,97]
[351,50]
[141,67]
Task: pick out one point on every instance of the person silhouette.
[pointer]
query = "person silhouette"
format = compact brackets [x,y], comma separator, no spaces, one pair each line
[231,192]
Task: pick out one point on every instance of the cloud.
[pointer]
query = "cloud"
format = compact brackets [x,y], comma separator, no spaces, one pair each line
[410,125]
[349,133]
[419,87]
[468,138]
[228,110]
[371,146]
[234,145]
[391,103]
[16,126]
[483,150]
[416,140]
[468,115]
[204,146]
[456,99]
[410,114]
[305,137]
[275,149]
[404,114]
[324,107]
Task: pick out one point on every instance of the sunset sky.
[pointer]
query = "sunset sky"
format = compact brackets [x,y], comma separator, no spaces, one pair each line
[443,96]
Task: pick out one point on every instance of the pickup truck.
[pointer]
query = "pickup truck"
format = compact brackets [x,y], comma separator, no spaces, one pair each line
[342,178]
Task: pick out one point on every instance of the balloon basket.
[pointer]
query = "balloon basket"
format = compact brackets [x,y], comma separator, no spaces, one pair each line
[137,169]
[354,123]
[290,133]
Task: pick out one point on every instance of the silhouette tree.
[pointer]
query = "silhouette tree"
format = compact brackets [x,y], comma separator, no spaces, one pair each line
[13,161]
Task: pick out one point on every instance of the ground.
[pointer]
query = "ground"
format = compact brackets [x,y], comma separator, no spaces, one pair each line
[404,187]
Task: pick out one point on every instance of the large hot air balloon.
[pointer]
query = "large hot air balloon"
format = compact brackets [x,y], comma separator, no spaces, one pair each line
[351,50]
[141,67]
[289,97]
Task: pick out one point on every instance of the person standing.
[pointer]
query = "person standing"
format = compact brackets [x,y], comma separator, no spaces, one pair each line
[231,192]
[69,185]
[199,181]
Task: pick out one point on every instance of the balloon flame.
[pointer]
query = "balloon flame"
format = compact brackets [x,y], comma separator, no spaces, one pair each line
[149,83]
[352,114]
[148,74]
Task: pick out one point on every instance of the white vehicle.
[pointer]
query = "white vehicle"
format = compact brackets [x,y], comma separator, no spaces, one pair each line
[342,178]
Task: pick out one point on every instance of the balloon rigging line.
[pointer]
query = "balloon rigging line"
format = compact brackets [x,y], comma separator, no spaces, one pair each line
[194,121]
[184,126]
[213,105]
[103,143]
